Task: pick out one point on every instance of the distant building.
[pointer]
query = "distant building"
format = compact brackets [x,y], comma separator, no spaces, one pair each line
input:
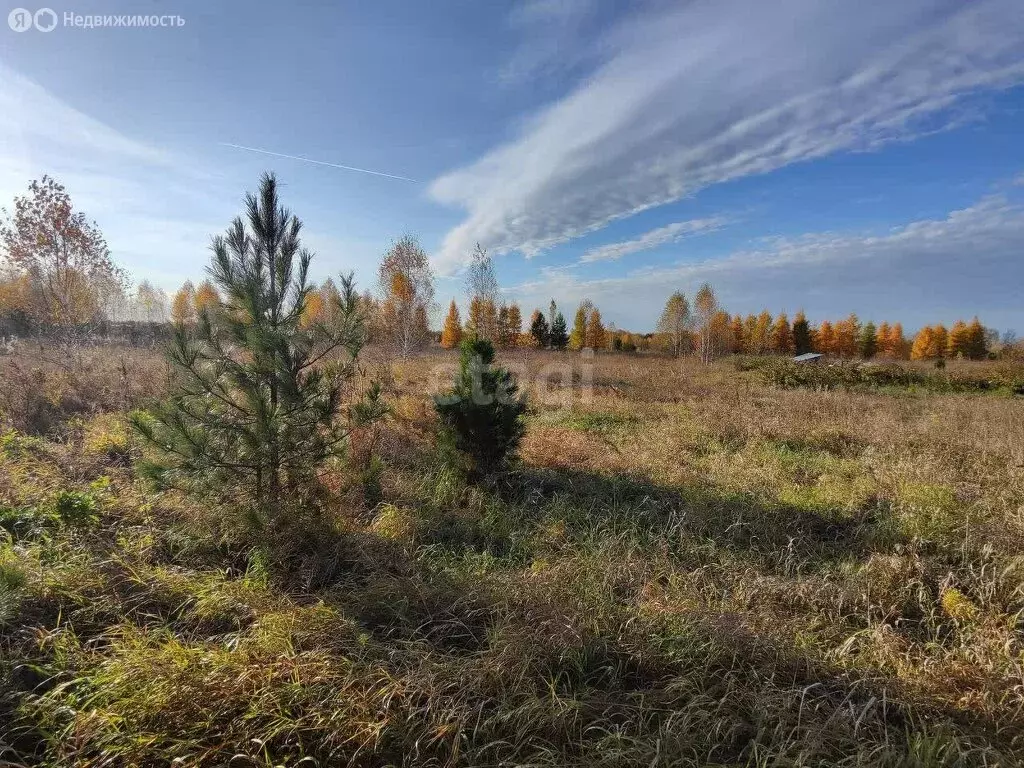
[808,357]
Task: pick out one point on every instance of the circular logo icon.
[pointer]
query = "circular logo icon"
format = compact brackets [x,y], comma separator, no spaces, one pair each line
[20,20]
[45,19]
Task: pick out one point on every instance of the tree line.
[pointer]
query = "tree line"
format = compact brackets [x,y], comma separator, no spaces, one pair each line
[59,274]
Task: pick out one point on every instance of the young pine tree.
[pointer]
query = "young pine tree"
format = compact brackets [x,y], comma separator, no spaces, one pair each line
[482,413]
[256,398]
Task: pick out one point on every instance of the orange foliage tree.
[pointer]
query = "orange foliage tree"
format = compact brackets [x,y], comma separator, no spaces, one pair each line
[63,255]
[597,337]
[781,336]
[183,305]
[451,333]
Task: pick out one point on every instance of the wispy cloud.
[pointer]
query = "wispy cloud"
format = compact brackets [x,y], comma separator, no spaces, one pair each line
[656,237]
[966,263]
[156,209]
[694,94]
[553,32]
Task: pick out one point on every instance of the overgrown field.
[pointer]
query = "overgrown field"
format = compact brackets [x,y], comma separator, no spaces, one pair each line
[690,566]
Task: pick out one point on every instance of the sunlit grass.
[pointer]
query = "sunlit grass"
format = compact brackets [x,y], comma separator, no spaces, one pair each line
[688,568]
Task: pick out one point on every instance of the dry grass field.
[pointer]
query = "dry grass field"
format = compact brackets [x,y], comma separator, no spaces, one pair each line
[687,567]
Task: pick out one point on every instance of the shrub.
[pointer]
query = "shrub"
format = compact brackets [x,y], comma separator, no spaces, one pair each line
[12,580]
[482,413]
[73,509]
[789,375]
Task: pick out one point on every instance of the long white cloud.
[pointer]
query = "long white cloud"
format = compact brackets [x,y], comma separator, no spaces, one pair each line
[699,93]
[970,262]
[652,239]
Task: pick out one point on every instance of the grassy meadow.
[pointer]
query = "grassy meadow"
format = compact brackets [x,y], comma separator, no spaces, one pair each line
[690,565]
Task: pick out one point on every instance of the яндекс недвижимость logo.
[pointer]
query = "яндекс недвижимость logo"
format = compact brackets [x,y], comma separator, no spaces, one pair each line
[46,20]
[22,19]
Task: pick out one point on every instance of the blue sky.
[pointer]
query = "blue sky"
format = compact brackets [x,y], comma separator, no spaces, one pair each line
[837,157]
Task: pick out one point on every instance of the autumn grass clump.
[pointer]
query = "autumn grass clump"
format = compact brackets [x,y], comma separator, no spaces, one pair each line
[686,567]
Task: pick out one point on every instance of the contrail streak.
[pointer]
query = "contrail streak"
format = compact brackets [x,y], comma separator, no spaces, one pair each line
[319,162]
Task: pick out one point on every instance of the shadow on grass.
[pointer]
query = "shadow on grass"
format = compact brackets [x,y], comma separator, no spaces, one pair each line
[775,535]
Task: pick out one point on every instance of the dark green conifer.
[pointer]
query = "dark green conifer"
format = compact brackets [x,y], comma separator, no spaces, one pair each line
[256,400]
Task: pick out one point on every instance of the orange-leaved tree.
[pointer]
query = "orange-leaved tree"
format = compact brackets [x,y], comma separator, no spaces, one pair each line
[451,333]
[597,337]
[782,336]
[63,255]
[183,305]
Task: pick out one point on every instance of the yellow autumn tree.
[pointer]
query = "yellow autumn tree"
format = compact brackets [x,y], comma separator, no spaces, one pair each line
[705,313]
[761,339]
[897,344]
[782,336]
[736,329]
[406,284]
[596,337]
[925,347]
[488,322]
[941,336]
[472,318]
[721,333]
[882,340]
[578,337]
[847,336]
[206,296]
[183,307]
[977,343]
[14,294]
[502,339]
[825,339]
[403,315]
[515,323]
[451,333]
[749,332]
[313,311]
[958,343]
